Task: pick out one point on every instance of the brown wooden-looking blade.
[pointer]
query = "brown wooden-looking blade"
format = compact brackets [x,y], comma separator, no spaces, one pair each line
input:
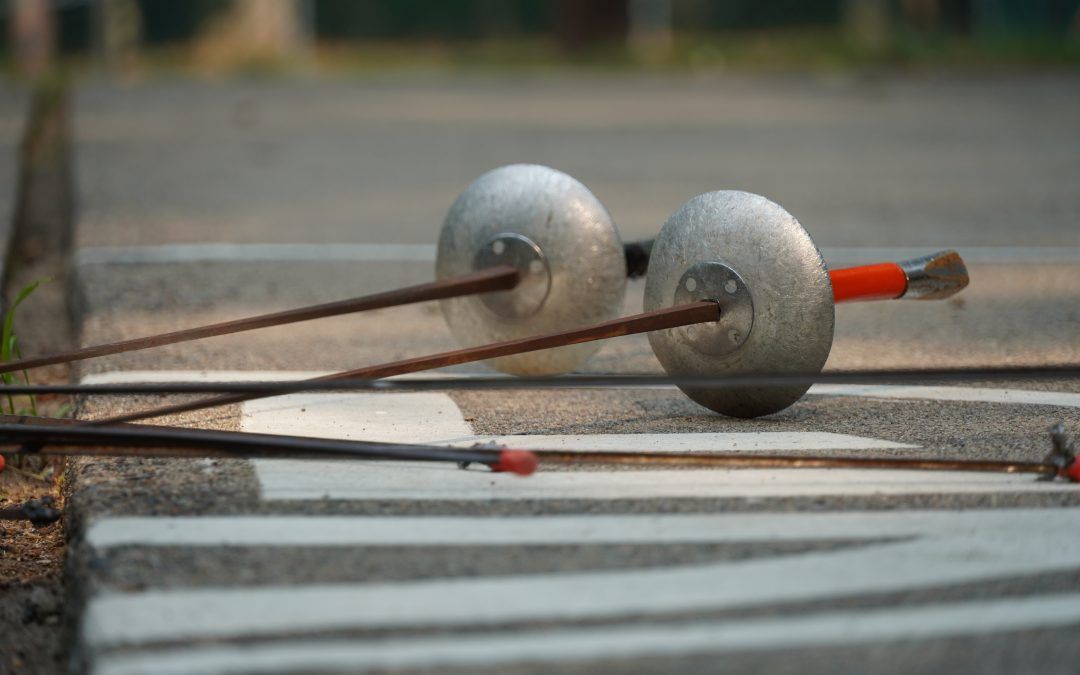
[669,317]
[744,461]
[500,278]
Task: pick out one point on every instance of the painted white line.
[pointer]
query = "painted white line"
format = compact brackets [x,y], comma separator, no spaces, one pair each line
[745,441]
[299,480]
[425,253]
[167,376]
[171,376]
[194,253]
[979,255]
[975,546]
[962,394]
[273,530]
[878,391]
[935,621]
[414,417]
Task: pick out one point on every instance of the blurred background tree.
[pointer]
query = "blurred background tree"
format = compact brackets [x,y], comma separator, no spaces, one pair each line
[665,31]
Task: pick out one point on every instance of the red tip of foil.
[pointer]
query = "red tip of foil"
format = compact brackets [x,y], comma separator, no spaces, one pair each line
[1072,472]
[2,462]
[521,462]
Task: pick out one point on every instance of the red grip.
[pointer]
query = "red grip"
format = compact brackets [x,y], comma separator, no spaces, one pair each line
[883,281]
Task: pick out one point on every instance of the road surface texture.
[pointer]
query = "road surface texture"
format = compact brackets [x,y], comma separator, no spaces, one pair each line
[200,202]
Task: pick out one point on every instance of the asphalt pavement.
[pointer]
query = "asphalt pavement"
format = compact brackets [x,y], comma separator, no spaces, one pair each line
[200,202]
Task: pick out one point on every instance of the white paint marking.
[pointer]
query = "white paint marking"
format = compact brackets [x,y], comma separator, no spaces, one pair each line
[892,624]
[745,441]
[425,253]
[979,255]
[879,391]
[273,530]
[195,253]
[300,480]
[415,417]
[970,547]
[170,376]
[940,547]
[962,394]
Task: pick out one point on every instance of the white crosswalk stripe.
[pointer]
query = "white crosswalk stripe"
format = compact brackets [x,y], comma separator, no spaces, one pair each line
[949,548]
[300,480]
[553,647]
[886,552]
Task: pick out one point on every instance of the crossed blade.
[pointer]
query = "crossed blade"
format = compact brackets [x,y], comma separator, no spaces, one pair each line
[115,435]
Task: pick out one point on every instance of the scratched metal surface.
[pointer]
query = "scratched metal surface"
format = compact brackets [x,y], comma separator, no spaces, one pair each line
[581,250]
[788,282]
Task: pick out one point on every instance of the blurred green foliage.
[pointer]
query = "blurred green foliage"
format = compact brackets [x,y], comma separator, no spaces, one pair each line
[724,32]
[452,19]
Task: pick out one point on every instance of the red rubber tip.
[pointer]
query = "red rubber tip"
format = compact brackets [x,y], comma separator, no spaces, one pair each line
[1072,472]
[3,462]
[521,462]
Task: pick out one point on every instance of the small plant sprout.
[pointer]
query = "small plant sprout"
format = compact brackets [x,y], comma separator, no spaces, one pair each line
[9,347]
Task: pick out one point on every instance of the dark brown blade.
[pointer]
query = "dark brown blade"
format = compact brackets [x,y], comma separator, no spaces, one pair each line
[982,374]
[501,278]
[70,437]
[669,317]
[735,461]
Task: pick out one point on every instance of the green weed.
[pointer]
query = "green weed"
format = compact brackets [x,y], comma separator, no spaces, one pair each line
[9,348]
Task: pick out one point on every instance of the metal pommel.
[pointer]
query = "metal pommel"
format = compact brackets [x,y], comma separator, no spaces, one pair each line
[935,277]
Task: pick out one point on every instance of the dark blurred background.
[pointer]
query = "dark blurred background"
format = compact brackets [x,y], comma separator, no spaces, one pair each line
[675,33]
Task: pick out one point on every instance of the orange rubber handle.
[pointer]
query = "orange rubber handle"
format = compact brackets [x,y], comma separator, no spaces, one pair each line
[884,281]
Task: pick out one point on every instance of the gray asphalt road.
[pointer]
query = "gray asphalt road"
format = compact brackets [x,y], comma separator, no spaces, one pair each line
[896,162]
[235,566]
